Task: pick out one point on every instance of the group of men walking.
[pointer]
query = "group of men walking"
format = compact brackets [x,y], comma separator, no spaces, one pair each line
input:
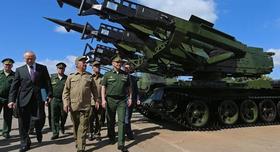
[84,95]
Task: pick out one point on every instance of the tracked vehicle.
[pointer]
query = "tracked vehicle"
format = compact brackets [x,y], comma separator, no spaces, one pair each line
[227,86]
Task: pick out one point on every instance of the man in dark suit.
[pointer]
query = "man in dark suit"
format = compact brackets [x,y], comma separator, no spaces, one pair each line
[27,91]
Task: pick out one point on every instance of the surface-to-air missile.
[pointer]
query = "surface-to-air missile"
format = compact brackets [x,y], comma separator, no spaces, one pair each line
[226,87]
[125,41]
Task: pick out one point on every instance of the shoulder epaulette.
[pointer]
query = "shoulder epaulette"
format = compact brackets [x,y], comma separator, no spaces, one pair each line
[53,75]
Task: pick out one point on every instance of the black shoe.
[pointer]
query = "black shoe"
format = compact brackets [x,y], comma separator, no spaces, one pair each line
[54,137]
[32,132]
[122,148]
[28,142]
[62,130]
[91,137]
[39,138]
[6,135]
[98,138]
[24,148]
[130,137]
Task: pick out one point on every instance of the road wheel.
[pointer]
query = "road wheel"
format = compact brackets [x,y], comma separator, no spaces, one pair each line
[249,111]
[228,112]
[197,114]
[267,110]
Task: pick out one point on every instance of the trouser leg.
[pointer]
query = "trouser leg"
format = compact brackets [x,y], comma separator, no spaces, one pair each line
[121,122]
[75,117]
[82,130]
[24,124]
[91,119]
[111,118]
[97,118]
[63,118]
[8,116]
[103,116]
[128,115]
[56,114]
[50,115]
[39,125]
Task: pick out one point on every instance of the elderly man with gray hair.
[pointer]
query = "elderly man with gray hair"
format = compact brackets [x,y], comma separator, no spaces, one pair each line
[77,94]
[26,89]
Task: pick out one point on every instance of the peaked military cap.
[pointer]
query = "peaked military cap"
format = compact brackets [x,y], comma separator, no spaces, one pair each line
[117,58]
[80,58]
[8,61]
[95,63]
[61,65]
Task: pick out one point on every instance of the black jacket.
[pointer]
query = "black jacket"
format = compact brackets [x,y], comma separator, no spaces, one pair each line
[23,88]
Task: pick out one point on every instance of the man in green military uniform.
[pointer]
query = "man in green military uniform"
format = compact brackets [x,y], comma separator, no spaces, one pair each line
[6,79]
[114,91]
[96,110]
[78,92]
[57,113]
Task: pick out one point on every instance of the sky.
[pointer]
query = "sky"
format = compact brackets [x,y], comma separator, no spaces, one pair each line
[22,27]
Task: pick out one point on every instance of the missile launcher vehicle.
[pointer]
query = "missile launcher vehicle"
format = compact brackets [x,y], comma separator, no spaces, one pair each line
[227,86]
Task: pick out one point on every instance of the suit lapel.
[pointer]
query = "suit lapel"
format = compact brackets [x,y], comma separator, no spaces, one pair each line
[26,71]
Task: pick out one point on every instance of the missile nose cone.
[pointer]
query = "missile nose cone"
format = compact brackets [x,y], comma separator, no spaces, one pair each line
[50,19]
[66,24]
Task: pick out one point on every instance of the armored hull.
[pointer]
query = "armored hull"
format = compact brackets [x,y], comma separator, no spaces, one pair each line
[203,105]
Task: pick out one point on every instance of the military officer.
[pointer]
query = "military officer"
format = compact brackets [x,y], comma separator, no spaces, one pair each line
[97,110]
[115,90]
[78,92]
[57,113]
[6,79]
[135,99]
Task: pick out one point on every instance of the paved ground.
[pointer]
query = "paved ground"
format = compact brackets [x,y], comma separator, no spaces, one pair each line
[151,137]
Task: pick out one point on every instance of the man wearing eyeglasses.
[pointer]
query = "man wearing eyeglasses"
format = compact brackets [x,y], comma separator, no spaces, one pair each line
[57,113]
[6,79]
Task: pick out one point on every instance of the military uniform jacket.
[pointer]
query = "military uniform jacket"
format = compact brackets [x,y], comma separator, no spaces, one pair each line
[5,85]
[78,91]
[116,84]
[97,80]
[58,85]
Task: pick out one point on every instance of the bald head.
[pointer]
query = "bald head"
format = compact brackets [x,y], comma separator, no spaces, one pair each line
[29,57]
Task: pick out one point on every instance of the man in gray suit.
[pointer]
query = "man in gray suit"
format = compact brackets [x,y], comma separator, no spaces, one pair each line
[26,90]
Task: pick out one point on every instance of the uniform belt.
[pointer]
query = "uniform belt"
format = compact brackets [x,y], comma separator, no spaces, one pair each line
[116,97]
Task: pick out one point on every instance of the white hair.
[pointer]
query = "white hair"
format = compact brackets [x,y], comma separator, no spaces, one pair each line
[29,52]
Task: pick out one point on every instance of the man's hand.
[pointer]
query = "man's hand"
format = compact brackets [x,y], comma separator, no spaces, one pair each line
[129,102]
[138,102]
[104,103]
[49,100]
[97,105]
[12,105]
[66,108]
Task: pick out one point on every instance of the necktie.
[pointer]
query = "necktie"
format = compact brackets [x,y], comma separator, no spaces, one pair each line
[32,73]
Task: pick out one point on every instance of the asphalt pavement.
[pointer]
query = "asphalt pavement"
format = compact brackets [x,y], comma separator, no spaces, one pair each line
[158,136]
